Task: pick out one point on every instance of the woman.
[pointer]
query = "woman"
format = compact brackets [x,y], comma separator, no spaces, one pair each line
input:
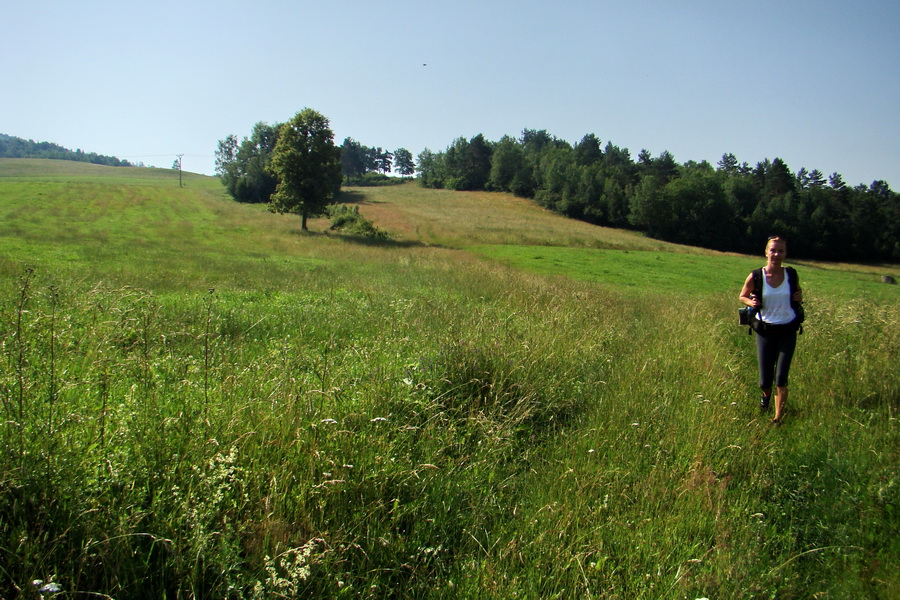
[768,290]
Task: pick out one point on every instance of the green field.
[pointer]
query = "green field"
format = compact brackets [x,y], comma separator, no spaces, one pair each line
[201,401]
[643,271]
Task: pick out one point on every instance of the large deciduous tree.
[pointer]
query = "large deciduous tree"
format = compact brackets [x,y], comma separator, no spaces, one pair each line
[307,165]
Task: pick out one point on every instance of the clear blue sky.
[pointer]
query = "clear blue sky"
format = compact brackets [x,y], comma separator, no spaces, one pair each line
[816,83]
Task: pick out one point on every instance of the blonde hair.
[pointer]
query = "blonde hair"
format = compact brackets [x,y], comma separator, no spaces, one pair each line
[776,238]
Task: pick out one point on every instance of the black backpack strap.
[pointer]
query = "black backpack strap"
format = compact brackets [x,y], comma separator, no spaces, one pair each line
[757,291]
[757,282]
[794,281]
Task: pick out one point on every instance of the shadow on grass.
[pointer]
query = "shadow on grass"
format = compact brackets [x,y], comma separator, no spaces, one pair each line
[362,240]
[375,242]
[353,197]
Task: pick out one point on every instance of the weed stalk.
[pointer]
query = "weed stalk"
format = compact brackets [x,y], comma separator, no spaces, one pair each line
[52,396]
[104,400]
[21,309]
[210,301]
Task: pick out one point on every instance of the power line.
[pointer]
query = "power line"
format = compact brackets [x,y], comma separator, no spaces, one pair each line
[165,155]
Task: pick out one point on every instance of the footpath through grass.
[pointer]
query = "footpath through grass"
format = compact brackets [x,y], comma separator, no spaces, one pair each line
[342,419]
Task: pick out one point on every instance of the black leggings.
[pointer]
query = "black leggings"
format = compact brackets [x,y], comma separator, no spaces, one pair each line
[774,350]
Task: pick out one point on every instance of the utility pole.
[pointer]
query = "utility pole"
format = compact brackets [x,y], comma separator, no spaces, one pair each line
[177,165]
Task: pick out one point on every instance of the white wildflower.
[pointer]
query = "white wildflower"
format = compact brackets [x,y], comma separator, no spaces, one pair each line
[287,571]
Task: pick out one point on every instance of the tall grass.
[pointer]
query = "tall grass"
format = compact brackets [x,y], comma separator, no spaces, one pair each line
[530,440]
[402,421]
[674,486]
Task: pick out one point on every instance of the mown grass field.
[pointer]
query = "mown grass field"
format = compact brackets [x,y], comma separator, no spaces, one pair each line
[200,401]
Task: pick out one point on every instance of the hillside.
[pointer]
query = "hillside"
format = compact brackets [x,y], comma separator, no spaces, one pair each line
[190,226]
[113,221]
[15,147]
[200,400]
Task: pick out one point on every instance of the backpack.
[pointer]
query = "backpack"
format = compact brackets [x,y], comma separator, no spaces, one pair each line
[793,282]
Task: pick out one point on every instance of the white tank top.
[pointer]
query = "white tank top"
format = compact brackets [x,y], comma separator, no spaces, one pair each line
[776,308]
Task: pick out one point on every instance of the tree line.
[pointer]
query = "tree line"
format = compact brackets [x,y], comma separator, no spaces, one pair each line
[15,147]
[245,166]
[730,206]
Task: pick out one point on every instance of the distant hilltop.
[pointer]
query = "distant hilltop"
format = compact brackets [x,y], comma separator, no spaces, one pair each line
[15,147]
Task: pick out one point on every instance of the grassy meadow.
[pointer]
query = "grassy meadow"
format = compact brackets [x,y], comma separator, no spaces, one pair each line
[201,401]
